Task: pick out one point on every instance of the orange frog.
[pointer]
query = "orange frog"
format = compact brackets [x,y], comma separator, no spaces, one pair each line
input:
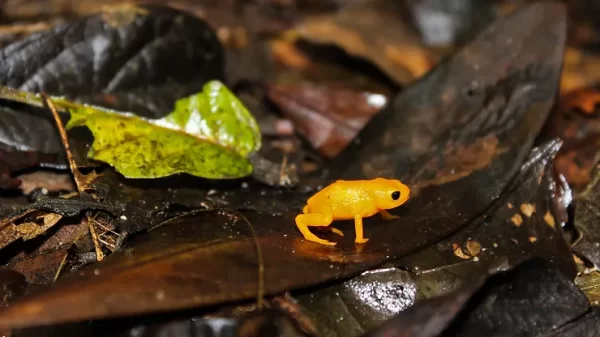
[351,199]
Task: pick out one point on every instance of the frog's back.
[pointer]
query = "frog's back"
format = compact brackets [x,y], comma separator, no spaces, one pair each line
[346,198]
[339,188]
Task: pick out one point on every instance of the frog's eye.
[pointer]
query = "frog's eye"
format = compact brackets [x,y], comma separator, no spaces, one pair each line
[395,195]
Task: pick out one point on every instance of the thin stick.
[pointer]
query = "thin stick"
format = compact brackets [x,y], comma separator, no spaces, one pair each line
[65,141]
[99,254]
[75,171]
[261,265]
[60,267]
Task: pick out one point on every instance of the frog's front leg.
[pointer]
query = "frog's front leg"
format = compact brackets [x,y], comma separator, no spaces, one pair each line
[387,216]
[358,227]
[320,217]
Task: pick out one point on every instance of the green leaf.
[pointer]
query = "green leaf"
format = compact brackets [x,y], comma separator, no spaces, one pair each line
[209,135]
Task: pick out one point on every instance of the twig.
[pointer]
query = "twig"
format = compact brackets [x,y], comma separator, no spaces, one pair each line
[60,267]
[99,254]
[77,176]
[261,265]
[65,141]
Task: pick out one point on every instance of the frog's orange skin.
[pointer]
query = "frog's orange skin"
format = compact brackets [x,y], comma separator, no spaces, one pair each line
[351,199]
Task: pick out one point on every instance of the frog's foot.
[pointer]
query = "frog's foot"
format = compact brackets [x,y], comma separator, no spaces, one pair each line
[322,242]
[336,231]
[387,215]
[361,241]
[319,220]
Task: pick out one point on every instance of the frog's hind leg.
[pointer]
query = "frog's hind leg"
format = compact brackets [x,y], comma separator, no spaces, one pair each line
[319,217]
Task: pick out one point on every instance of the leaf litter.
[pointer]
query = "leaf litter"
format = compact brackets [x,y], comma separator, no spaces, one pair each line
[437,176]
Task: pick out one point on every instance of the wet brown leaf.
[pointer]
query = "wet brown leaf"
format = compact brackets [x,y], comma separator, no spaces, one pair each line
[328,116]
[174,263]
[502,244]
[517,295]
[376,31]
[476,128]
[360,304]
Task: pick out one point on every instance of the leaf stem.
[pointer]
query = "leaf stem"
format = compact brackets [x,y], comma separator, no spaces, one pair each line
[65,141]
[77,176]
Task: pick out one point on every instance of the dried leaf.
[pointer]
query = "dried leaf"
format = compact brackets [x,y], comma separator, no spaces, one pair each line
[459,252]
[576,122]
[473,247]
[580,70]
[373,30]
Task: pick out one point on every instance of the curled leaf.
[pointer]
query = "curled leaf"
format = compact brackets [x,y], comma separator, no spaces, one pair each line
[209,135]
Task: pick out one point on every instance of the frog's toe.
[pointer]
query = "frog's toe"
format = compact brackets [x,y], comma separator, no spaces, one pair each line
[337,231]
[361,240]
[321,241]
[326,243]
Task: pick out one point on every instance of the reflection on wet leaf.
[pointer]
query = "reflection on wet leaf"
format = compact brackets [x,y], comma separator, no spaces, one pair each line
[534,296]
[360,304]
[427,318]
